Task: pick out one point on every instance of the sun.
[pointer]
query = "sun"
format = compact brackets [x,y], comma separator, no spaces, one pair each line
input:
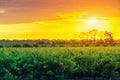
[93,21]
[96,23]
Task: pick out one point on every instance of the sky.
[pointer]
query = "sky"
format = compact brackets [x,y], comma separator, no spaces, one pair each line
[57,19]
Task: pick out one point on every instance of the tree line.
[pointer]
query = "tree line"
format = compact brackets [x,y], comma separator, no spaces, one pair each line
[93,37]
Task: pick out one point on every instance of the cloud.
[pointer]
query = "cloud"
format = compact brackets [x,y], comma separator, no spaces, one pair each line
[28,3]
[2,11]
[22,11]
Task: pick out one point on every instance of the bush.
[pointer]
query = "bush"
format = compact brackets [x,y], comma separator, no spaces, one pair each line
[17,45]
[1,46]
[27,45]
[35,45]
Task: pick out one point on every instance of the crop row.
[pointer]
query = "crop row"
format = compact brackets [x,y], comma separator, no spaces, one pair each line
[58,63]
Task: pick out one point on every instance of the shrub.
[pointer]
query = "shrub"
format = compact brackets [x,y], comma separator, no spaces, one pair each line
[17,45]
[27,45]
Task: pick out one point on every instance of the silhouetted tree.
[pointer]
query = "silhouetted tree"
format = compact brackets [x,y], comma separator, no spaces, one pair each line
[93,35]
[82,37]
[109,37]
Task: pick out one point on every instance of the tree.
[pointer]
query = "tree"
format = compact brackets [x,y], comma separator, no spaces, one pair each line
[109,37]
[93,35]
[82,37]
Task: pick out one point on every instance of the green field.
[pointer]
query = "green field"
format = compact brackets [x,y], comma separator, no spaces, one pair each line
[48,63]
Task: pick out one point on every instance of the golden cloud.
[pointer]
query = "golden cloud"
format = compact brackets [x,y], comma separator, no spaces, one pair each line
[2,10]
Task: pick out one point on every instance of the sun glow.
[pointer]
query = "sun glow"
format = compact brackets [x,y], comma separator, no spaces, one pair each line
[93,21]
[98,23]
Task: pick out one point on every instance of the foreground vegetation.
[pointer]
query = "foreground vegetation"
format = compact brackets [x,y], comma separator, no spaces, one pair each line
[58,63]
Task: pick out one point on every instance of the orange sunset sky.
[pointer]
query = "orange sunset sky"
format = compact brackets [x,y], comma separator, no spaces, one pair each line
[57,19]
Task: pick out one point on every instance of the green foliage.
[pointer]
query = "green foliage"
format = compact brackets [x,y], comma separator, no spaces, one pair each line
[56,63]
[17,45]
